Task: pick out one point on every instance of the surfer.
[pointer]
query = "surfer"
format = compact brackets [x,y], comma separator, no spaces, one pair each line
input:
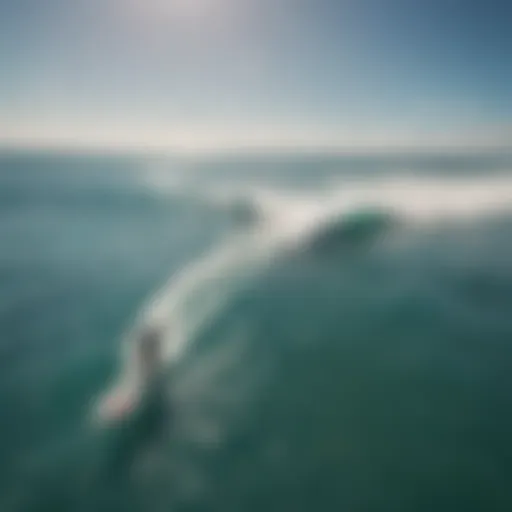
[151,368]
[149,355]
[146,386]
[143,411]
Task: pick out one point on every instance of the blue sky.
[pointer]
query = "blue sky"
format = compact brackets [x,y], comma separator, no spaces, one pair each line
[193,74]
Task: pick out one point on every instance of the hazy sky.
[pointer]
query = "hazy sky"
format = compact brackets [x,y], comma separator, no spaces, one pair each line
[207,73]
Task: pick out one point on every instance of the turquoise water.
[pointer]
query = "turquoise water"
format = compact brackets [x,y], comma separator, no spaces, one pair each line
[341,327]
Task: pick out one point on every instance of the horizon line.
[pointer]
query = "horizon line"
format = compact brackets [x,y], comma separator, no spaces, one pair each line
[263,148]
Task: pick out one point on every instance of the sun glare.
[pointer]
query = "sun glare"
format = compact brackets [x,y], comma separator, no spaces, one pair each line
[182,14]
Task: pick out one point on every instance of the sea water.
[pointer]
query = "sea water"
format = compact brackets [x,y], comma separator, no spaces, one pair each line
[336,332]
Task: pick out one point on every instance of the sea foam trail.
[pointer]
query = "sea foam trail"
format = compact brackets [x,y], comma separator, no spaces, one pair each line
[287,220]
[182,306]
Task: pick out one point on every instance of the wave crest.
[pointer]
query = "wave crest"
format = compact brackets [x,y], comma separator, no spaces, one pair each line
[276,221]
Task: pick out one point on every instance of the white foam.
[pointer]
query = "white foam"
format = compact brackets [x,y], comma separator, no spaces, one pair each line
[432,199]
[197,293]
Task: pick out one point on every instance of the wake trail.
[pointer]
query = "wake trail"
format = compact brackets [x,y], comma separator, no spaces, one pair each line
[286,221]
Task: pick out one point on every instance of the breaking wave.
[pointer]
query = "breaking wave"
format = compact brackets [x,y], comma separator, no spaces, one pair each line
[276,221]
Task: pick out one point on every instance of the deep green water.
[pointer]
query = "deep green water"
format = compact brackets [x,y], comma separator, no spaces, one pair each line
[369,373]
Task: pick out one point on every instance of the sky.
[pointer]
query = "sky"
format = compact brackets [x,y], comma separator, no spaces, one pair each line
[206,74]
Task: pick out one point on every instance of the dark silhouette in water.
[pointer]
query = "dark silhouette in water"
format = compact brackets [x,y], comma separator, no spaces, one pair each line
[149,354]
[138,431]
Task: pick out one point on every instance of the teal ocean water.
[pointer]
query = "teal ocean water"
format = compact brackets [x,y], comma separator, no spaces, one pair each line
[336,333]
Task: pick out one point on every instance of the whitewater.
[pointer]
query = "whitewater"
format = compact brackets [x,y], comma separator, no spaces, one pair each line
[283,221]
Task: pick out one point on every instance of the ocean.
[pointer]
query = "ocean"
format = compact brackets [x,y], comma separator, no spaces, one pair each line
[336,332]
